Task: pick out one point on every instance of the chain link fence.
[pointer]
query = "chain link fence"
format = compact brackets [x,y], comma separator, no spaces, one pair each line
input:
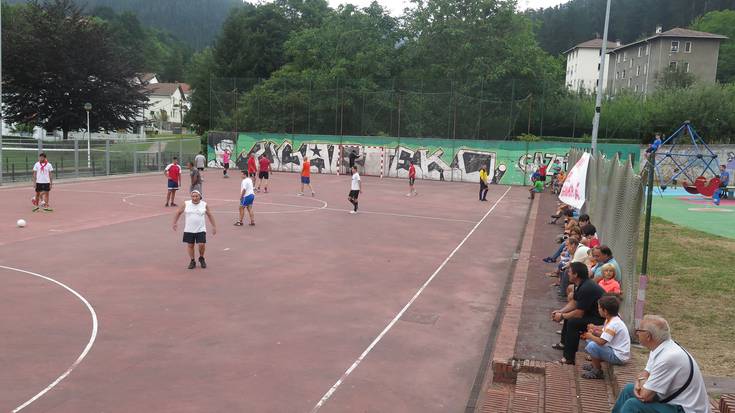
[72,159]
[614,201]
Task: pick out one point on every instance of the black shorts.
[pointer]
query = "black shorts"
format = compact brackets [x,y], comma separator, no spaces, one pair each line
[354,194]
[251,174]
[263,175]
[195,237]
[542,178]
[43,187]
[201,169]
[227,165]
[411,181]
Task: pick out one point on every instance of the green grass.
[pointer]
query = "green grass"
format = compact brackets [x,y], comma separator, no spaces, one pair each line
[691,284]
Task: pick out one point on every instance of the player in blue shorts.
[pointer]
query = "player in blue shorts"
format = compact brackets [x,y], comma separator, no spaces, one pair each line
[247,197]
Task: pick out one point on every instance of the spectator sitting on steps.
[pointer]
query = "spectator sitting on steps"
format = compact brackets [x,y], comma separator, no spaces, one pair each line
[611,343]
[671,381]
[578,313]
[603,255]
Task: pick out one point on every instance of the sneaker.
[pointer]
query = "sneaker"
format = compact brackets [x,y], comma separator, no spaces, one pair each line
[588,367]
[300,194]
[238,223]
[166,205]
[353,212]
[252,224]
[202,263]
[192,264]
[173,205]
[35,209]
[48,209]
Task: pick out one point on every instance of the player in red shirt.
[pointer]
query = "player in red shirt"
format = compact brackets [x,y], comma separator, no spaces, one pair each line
[411,180]
[306,177]
[173,173]
[252,166]
[265,169]
[542,173]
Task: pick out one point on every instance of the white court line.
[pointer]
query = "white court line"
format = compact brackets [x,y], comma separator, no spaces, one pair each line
[84,352]
[390,325]
[403,215]
[305,208]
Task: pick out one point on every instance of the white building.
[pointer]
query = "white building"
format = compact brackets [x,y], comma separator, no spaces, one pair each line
[583,65]
[165,104]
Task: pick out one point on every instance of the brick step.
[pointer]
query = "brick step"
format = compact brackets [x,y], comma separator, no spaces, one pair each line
[560,390]
[594,395]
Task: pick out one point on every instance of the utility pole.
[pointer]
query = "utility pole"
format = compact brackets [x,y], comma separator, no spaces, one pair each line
[600,78]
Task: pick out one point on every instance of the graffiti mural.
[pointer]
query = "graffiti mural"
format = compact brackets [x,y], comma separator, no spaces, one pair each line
[507,162]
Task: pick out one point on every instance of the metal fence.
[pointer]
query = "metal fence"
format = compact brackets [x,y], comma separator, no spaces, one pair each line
[73,158]
[422,108]
[614,201]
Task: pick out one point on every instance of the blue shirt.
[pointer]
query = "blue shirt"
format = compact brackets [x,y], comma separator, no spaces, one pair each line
[724,178]
[656,144]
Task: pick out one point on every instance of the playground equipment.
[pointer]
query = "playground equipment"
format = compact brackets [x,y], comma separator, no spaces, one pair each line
[698,165]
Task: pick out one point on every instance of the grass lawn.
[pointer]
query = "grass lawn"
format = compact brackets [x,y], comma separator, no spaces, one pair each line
[692,285]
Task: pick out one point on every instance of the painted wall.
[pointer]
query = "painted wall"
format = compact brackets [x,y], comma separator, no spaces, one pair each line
[509,162]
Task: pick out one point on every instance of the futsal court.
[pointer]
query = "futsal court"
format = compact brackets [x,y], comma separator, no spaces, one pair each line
[312,309]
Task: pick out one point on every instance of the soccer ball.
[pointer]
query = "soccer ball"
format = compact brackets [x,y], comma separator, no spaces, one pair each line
[21,223]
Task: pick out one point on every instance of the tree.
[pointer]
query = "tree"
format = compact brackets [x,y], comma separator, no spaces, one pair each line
[199,72]
[674,78]
[56,60]
[721,22]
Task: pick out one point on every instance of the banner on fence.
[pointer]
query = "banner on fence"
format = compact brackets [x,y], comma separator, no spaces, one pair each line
[573,191]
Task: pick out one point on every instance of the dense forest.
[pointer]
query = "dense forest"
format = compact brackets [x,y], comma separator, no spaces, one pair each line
[561,27]
[195,22]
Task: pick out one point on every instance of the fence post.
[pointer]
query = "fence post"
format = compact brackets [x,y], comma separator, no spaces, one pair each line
[135,160]
[76,158]
[107,156]
[181,149]
[158,156]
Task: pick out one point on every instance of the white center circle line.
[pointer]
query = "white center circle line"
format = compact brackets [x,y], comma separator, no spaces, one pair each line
[87,348]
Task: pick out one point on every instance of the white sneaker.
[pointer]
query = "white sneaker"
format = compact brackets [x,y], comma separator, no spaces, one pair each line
[300,194]
[353,212]
[408,194]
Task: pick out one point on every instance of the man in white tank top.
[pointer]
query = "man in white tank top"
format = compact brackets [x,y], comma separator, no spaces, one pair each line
[195,227]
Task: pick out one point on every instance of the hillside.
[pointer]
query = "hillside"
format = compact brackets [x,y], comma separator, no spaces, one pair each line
[195,22]
[561,27]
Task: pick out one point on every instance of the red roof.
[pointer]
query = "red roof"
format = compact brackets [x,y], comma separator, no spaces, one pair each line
[162,89]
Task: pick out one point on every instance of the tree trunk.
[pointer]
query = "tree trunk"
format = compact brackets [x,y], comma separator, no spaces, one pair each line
[66,134]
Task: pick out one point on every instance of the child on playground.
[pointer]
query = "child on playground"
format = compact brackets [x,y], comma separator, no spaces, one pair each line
[226,162]
[173,174]
[654,146]
[608,282]
[247,197]
[611,343]
[411,179]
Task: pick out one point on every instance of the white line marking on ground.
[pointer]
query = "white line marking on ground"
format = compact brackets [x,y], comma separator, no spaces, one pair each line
[324,204]
[403,215]
[81,357]
[405,308]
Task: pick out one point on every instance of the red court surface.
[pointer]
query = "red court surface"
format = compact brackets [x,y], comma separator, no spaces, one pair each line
[310,299]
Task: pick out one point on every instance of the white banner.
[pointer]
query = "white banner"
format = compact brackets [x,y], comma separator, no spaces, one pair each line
[574,189]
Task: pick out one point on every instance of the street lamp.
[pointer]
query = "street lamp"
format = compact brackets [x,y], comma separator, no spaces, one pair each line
[88,108]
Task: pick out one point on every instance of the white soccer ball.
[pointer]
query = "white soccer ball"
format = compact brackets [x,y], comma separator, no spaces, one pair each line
[21,223]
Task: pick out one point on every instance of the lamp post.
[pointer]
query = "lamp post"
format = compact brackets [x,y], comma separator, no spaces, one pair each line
[88,108]
[600,78]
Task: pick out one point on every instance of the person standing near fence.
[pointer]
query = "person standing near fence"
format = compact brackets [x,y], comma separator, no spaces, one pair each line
[42,181]
[200,161]
[195,229]
[411,179]
[355,189]
[306,176]
[173,173]
[252,166]
[226,162]
[196,179]
[483,184]
[263,175]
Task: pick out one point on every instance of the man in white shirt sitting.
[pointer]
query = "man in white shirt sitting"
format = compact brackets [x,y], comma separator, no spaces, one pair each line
[671,382]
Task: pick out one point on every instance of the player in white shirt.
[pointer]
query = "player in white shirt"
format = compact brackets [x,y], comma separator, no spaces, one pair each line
[42,181]
[611,343]
[195,226]
[355,189]
[247,197]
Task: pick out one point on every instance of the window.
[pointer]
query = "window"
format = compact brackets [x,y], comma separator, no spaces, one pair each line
[631,64]
[618,58]
[617,75]
[597,83]
[674,46]
[636,88]
[688,47]
[623,75]
[625,56]
[672,65]
[638,71]
[645,69]
[686,67]
[640,50]
[629,81]
[648,49]
[598,67]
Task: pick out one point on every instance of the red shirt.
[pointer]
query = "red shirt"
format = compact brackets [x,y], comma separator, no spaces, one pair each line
[251,165]
[265,163]
[594,242]
[174,172]
[306,169]
[412,172]
[542,170]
